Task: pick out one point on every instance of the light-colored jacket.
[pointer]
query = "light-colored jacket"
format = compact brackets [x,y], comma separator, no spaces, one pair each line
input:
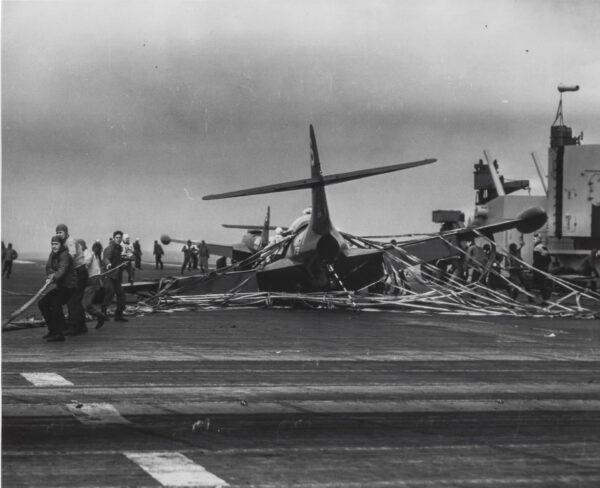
[75,252]
[92,263]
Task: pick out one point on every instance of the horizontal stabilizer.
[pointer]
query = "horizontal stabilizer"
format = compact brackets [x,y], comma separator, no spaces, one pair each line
[251,227]
[323,181]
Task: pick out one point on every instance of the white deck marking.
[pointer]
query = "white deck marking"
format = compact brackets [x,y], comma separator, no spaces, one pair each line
[46,379]
[96,413]
[173,469]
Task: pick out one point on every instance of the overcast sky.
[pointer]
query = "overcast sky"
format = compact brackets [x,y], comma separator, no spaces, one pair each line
[123,114]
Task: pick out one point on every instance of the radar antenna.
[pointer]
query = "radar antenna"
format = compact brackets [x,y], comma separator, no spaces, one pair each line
[558,120]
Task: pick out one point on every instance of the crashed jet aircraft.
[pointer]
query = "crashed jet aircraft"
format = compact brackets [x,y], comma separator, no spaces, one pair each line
[318,258]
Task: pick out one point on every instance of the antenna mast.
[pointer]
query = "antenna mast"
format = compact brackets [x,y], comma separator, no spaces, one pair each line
[558,120]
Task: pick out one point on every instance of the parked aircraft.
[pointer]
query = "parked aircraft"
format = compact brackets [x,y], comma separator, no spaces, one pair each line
[255,239]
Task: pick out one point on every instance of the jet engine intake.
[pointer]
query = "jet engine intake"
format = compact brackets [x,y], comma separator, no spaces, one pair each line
[328,248]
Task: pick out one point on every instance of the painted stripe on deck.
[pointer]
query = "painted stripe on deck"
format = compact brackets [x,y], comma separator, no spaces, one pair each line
[173,469]
[46,379]
[96,413]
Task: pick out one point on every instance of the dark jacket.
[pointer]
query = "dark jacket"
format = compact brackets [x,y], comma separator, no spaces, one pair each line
[541,257]
[61,264]
[158,250]
[590,266]
[112,256]
[204,252]
[10,254]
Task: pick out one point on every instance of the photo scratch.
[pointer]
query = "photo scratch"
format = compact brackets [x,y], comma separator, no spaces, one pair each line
[187,194]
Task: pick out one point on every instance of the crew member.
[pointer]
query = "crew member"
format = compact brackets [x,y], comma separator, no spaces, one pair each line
[204,255]
[8,256]
[187,254]
[76,319]
[89,302]
[59,269]
[591,267]
[541,261]
[476,260]
[128,256]
[137,254]
[515,269]
[158,254]
[194,256]
[112,261]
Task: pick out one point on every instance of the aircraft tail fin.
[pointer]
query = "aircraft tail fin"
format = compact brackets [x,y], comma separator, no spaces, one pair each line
[315,163]
[320,221]
[264,241]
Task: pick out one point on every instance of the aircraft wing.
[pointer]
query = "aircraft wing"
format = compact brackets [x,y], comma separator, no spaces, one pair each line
[436,247]
[392,236]
[527,222]
[322,181]
[220,249]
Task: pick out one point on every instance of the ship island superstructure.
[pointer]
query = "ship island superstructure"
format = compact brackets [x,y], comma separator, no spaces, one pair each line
[572,199]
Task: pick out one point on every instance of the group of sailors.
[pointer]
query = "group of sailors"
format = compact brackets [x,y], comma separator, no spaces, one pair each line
[195,256]
[484,265]
[86,281]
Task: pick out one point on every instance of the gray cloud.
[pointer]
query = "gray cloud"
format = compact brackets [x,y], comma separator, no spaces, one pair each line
[118,106]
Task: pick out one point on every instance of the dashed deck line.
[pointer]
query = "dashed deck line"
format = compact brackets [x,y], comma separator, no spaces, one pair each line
[175,470]
[46,379]
[96,413]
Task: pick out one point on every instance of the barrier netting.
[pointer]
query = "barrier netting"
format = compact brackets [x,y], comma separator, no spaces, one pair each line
[408,284]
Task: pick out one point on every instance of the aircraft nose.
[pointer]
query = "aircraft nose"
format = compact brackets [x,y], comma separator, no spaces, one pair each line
[531,220]
[328,248]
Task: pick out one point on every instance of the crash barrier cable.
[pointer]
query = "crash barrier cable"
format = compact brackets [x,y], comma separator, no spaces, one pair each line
[507,281]
[38,294]
[24,307]
[434,290]
[457,291]
[444,293]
